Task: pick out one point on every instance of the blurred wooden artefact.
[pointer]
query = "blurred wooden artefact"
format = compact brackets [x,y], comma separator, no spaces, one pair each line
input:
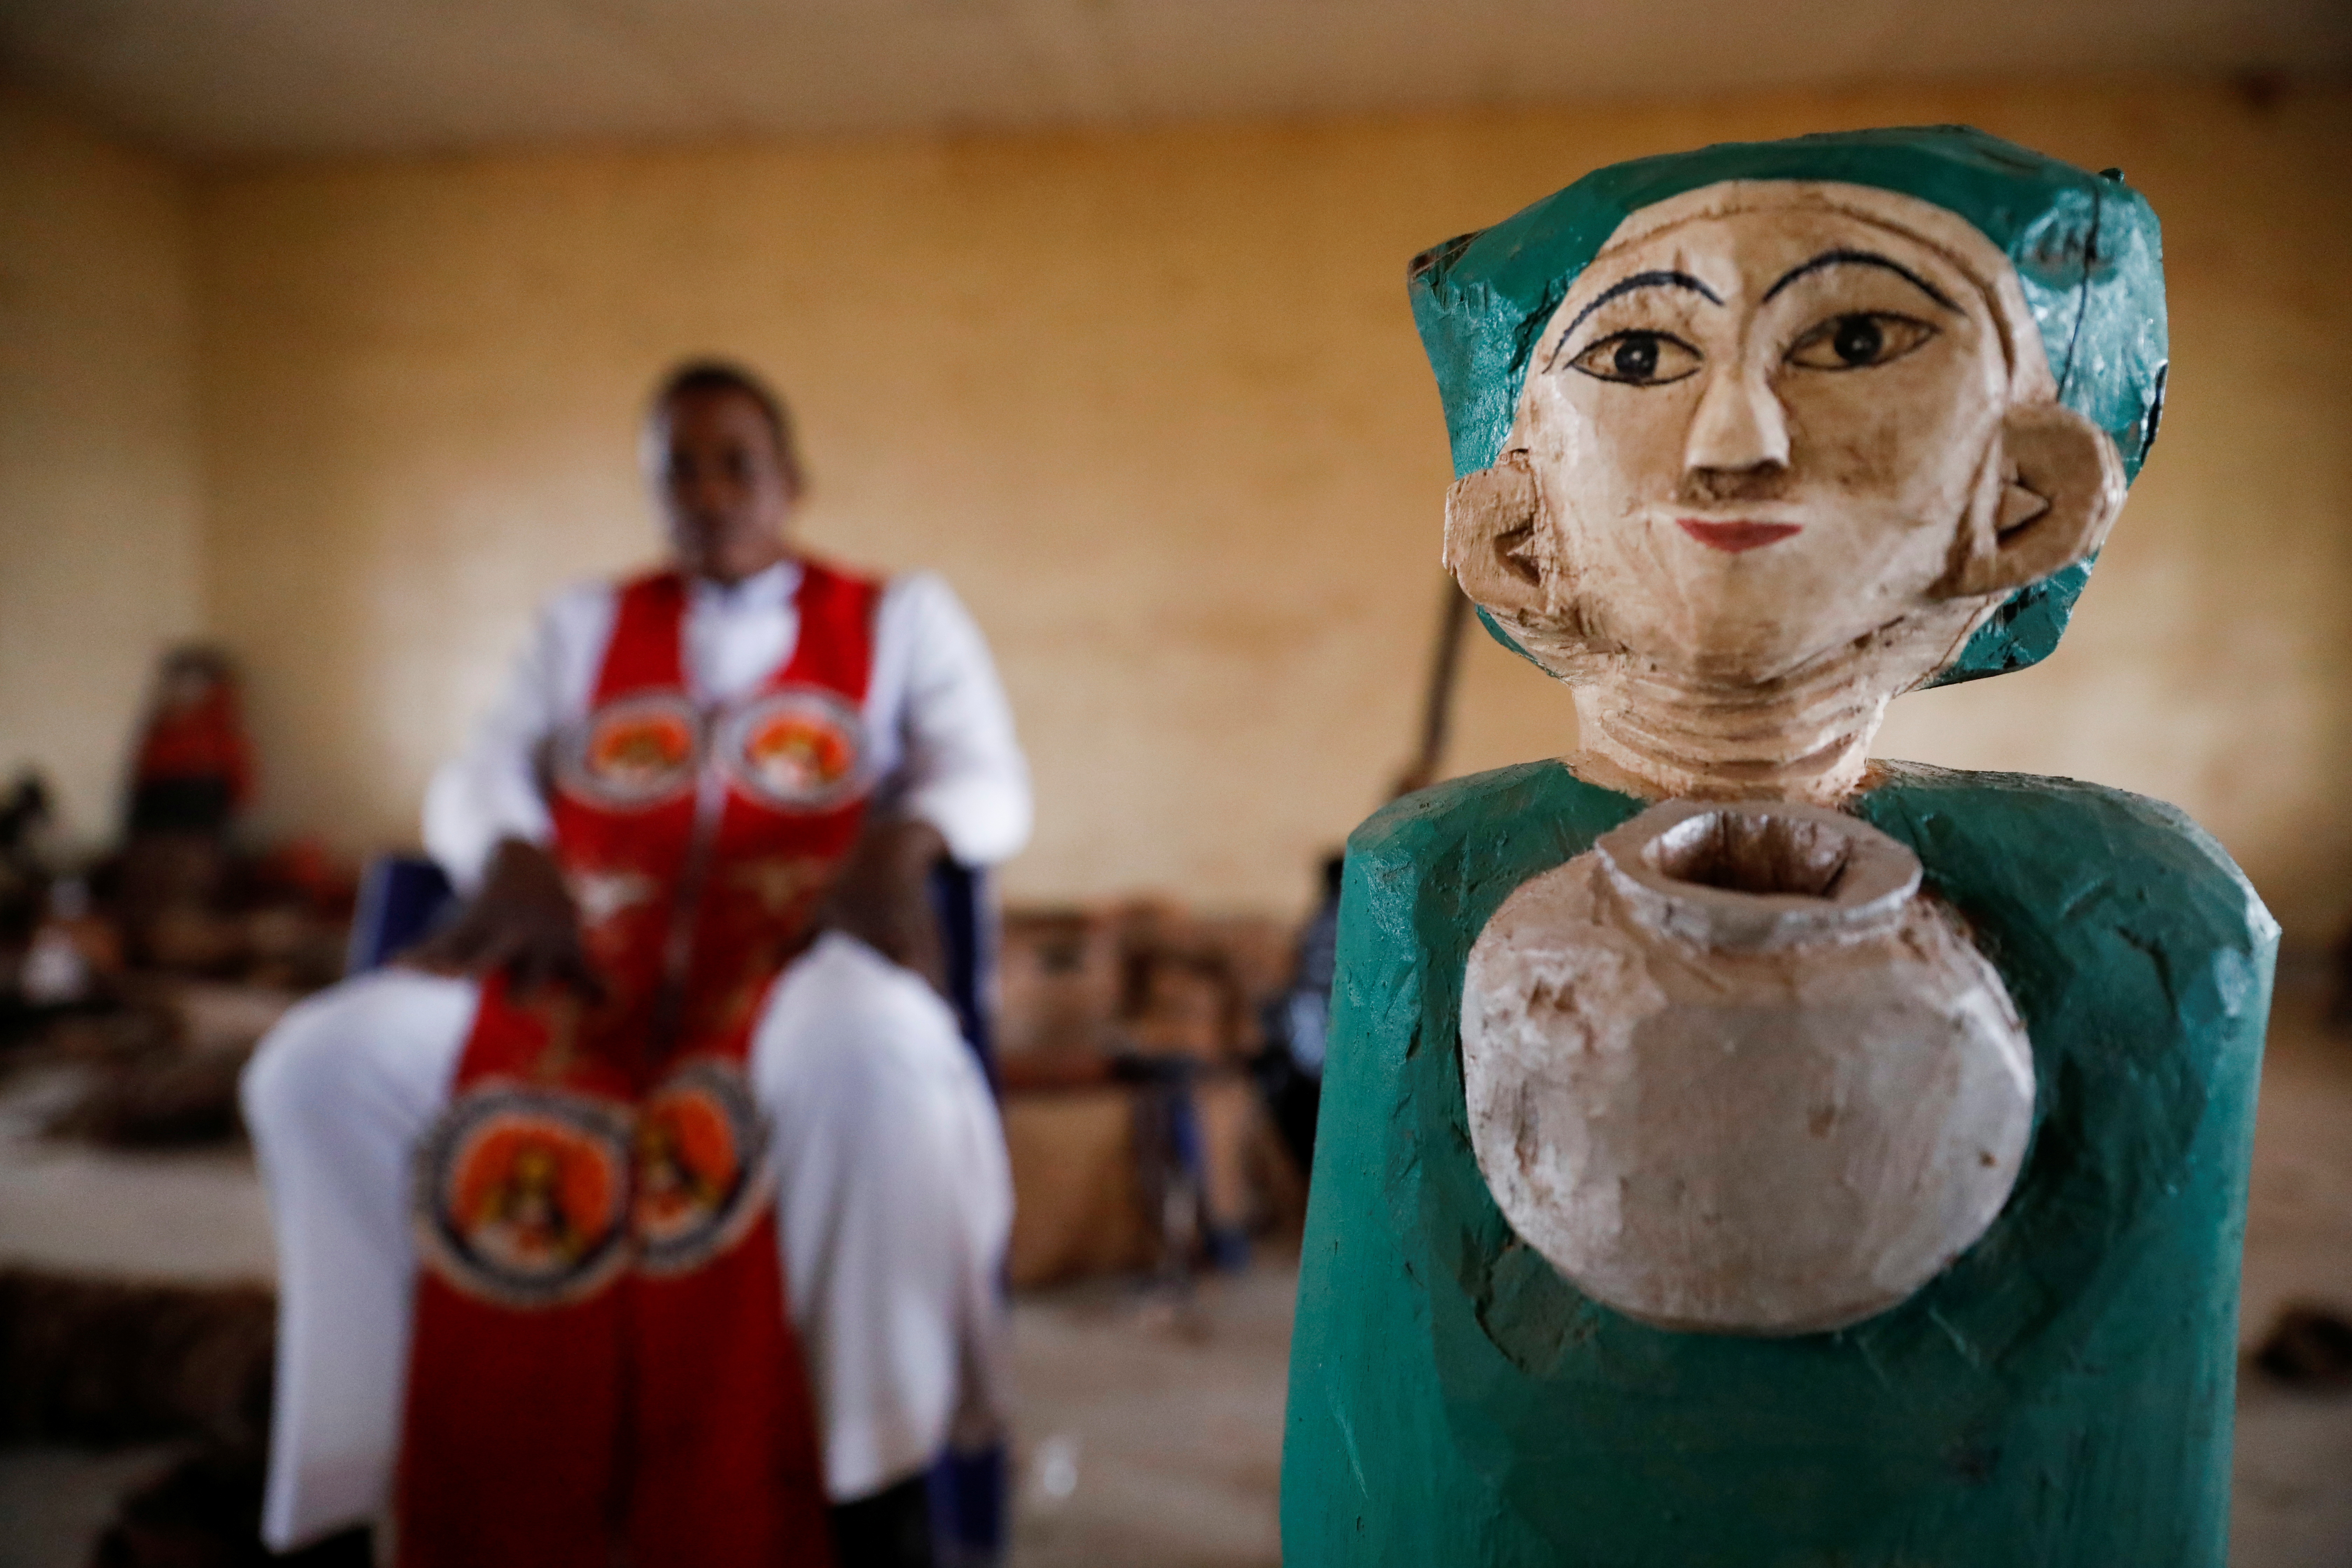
[75,954]
[1086,1206]
[194,769]
[1183,1002]
[157,1101]
[1069,1127]
[107,1362]
[1123,1034]
[1058,981]
[161,1046]
[1080,1207]
[1260,954]
[187,897]
[175,1083]
[192,907]
[89,1361]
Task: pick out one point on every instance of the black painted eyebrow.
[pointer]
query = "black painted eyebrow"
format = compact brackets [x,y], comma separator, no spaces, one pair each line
[1861,258]
[1626,286]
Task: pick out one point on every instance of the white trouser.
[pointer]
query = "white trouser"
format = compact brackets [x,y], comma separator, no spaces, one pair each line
[895,1205]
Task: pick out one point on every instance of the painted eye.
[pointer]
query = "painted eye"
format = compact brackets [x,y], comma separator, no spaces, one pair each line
[1859,341]
[1638,358]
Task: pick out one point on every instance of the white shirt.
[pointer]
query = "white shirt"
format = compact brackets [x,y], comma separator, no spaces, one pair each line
[939,729]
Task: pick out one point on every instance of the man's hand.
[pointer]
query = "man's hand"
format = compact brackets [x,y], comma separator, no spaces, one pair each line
[523,921]
[882,896]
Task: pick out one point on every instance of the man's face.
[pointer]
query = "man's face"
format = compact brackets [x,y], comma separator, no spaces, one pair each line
[724,485]
[1761,426]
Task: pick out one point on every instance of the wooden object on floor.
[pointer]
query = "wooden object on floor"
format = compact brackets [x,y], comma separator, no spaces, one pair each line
[1096,1002]
[1078,1203]
[1058,980]
[1751,440]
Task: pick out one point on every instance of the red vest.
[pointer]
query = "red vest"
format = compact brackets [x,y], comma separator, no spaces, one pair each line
[604,1371]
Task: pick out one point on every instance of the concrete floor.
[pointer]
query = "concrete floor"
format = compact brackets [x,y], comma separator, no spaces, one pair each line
[1155,1442]
[1150,1441]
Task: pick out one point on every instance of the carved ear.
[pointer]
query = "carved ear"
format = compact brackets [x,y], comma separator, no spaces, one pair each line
[1491,532]
[2048,502]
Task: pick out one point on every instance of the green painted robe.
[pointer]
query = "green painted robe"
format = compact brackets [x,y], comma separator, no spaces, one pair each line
[2059,1397]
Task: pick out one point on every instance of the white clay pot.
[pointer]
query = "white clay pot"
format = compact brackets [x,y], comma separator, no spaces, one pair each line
[1731,1071]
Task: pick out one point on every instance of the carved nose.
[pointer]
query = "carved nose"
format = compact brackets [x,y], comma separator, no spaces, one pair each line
[1738,426]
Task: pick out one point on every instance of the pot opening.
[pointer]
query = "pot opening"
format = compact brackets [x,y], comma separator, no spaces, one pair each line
[1751,852]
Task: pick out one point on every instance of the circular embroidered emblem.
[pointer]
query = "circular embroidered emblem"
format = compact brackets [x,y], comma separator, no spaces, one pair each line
[523,1194]
[633,753]
[701,1149]
[801,749]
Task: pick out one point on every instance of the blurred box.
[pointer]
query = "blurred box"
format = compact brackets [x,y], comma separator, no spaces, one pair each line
[1261,952]
[1079,1207]
[1185,1004]
[1058,980]
[1080,987]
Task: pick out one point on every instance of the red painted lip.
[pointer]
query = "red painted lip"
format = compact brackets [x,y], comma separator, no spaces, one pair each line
[1735,537]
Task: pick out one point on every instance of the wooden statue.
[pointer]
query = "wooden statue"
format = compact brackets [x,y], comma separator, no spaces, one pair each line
[1840,1163]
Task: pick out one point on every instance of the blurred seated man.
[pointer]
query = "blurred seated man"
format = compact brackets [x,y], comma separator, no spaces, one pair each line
[657,1204]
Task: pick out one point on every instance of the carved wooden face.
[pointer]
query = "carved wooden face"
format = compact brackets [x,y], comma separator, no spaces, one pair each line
[1770,419]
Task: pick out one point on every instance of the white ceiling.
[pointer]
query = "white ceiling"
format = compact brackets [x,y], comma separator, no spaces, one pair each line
[223,80]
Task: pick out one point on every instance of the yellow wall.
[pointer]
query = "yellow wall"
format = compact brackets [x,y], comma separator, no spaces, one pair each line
[98,477]
[1154,403]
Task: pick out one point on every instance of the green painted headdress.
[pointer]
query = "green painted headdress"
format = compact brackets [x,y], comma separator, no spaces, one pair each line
[2086,247]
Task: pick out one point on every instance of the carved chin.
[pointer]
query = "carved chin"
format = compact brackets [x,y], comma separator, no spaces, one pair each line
[1731,1072]
[1728,651]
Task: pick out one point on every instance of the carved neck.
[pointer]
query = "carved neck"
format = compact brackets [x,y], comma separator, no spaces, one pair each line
[1663,734]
